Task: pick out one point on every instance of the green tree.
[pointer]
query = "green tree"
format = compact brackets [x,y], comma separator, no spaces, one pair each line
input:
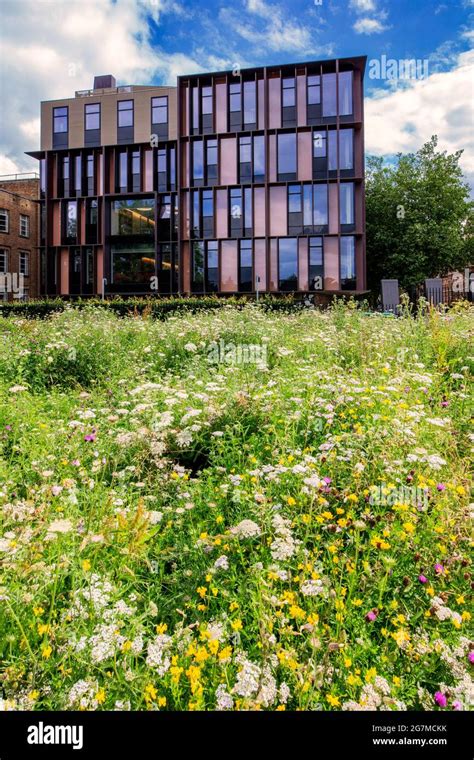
[420,220]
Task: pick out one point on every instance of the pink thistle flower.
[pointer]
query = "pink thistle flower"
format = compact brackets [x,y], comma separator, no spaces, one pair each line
[370,617]
[441,487]
[457,705]
[423,579]
[470,657]
[440,699]
[439,569]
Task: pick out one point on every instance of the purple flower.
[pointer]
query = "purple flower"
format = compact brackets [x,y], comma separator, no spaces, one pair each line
[8,427]
[457,705]
[439,569]
[441,487]
[470,657]
[423,579]
[370,617]
[327,480]
[440,699]
[75,462]
[90,437]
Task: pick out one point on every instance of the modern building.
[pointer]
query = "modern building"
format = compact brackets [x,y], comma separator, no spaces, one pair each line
[231,182]
[19,214]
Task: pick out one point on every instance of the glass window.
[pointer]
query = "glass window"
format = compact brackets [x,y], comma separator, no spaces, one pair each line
[136,162]
[329,95]
[195,93]
[132,263]
[236,204]
[258,158]
[207,203]
[133,217]
[346,202]
[78,175]
[198,266]
[90,165]
[3,261]
[24,225]
[159,110]
[332,150]
[314,90]
[198,160]
[248,211]
[245,159]
[235,97]
[316,263]
[65,168]
[92,112]
[289,93]
[287,154]
[346,149]
[211,156]
[319,145]
[347,253]
[206,100]
[345,93]
[123,170]
[196,213]
[307,208]
[294,199]
[4,220]
[250,103]
[60,119]
[125,113]
[287,263]
[173,168]
[212,279]
[71,219]
[245,266]
[24,263]
[320,205]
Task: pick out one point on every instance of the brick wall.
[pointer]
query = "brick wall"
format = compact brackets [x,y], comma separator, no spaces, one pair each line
[20,196]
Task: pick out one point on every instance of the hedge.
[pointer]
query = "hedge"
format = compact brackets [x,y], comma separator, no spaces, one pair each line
[158,308]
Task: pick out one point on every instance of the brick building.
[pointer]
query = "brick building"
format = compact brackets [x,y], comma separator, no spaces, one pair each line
[228,183]
[19,216]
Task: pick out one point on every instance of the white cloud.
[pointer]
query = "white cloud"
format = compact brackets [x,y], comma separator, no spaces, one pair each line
[369,26]
[363,6]
[52,48]
[278,33]
[404,119]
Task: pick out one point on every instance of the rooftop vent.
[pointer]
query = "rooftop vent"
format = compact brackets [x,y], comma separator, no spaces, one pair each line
[104,82]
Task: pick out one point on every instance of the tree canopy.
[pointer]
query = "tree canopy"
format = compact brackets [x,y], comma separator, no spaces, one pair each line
[420,219]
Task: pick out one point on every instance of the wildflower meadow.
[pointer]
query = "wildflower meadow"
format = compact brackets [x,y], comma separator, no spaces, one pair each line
[236,510]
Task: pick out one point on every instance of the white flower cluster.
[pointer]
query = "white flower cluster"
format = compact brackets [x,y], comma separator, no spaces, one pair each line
[284,545]
[157,653]
[246,529]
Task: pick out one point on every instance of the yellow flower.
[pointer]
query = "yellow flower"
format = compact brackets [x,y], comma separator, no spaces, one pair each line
[225,654]
[370,675]
[38,611]
[150,693]
[86,565]
[291,501]
[213,646]
[397,681]
[100,696]
[201,590]
[43,628]
[161,628]
[357,602]
[161,701]
[33,695]
[466,615]
[237,625]
[348,662]
[46,652]
[126,646]
[175,672]
[201,655]
[460,599]
[333,701]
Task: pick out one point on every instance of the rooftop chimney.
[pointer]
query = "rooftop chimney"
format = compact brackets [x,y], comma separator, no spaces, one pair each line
[104,82]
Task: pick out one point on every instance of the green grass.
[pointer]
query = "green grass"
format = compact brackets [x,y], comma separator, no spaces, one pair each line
[128,463]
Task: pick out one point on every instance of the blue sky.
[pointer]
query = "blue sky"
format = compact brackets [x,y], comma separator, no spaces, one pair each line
[50,48]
